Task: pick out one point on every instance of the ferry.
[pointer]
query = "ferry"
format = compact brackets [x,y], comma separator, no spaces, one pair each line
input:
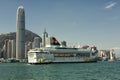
[51,51]
[62,55]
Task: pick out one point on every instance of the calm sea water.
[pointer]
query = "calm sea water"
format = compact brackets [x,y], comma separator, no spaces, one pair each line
[76,71]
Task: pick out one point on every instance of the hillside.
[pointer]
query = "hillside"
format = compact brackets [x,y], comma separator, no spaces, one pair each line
[29,36]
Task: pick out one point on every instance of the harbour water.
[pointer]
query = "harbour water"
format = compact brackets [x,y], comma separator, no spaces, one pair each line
[74,71]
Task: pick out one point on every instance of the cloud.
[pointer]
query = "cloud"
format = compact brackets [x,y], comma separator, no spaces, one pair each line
[110,5]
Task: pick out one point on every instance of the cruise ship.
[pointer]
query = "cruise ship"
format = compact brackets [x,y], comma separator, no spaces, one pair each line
[53,52]
[62,55]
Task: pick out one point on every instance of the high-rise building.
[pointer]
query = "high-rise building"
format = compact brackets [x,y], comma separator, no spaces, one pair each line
[9,49]
[13,44]
[44,36]
[5,49]
[36,42]
[0,53]
[63,43]
[28,46]
[20,33]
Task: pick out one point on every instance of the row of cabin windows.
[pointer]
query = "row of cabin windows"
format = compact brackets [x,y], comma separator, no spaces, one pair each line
[83,54]
[63,55]
[72,55]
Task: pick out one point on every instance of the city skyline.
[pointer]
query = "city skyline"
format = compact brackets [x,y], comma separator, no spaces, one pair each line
[82,22]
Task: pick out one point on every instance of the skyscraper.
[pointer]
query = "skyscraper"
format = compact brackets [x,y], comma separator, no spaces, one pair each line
[9,49]
[20,33]
[5,49]
[13,45]
[44,36]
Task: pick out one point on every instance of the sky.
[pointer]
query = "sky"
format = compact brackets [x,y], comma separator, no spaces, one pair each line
[78,22]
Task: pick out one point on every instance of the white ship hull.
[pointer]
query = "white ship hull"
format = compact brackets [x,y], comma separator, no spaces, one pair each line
[61,55]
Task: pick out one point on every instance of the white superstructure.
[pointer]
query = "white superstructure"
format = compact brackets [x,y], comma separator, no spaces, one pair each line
[62,55]
[52,51]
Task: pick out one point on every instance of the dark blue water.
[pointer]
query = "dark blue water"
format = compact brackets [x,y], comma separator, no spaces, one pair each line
[76,71]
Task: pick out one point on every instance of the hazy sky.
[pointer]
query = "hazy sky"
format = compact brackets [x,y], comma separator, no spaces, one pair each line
[84,22]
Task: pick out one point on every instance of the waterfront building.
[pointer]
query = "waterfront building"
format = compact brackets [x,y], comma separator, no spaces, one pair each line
[5,49]
[112,55]
[44,36]
[63,43]
[0,53]
[26,50]
[106,55]
[20,33]
[28,46]
[48,41]
[9,49]
[13,51]
[36,42]
[0,43]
